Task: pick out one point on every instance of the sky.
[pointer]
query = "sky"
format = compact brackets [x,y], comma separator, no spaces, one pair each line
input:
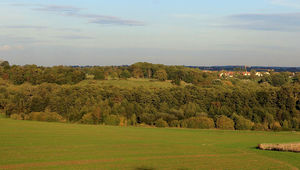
[171,32]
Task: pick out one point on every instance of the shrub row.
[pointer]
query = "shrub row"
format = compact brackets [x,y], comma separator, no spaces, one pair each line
[201,122]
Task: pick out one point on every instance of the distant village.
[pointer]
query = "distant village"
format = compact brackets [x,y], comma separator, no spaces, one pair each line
[249,68]
[238,71]
[229,71]
[245,73]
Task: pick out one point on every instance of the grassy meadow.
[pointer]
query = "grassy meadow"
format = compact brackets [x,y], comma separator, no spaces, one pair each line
[131,83]
[40,145]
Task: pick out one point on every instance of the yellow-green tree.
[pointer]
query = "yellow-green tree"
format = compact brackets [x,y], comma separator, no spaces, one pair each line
[161,75]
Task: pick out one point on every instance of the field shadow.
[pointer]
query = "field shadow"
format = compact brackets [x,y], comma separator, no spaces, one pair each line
[253,148]
[144,168]
[150,168]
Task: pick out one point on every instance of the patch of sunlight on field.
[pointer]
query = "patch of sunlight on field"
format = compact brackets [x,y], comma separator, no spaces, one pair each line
[39,145]
[131,83]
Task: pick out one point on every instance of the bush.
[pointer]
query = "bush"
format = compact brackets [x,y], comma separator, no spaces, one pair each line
[161,75]
[275,126]
[16,117]
[269,119]
[92,117]
[183,123]
[241,123]
[295,123]
[112,120]
[88,119]
[176,81]
[147,118]
[161,123]
[175,123]
[200,123]
[125,74]
[2,115]
[223,122]
[132,121]
[46,116]
[260,127]
[99,75]
[286,125]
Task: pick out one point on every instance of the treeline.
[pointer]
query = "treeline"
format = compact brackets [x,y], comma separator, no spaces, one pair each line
[260,107]
[71,75]
[38,75]
[252,103]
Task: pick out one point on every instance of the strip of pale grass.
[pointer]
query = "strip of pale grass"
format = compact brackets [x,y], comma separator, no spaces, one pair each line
[131,83]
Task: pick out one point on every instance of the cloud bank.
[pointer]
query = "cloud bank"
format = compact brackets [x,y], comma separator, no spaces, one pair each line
[266,22]
[72,11]
[24,27]
[75,37]
[10,48]
[287,3]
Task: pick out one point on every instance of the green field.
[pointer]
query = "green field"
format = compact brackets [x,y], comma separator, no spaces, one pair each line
[39,145]
[131,83]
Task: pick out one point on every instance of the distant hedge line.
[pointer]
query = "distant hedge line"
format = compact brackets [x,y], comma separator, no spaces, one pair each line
[71,75]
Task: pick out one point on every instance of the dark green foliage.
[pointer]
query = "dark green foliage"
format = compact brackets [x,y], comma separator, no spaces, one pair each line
[286,125]
[132,121]
[259,106]
[241,123]
[94,117]
[190,109]
[295,123]
[5,64]
[279,79]
[112,120]
[99,75]
[176,81]
[296,78]
[175,123]
[78,102]
[147,118]
[161,123]
[37,75]
[200,123]
[125,74]
[276,79]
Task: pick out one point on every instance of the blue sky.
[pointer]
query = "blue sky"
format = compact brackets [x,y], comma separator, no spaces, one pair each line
[180,32]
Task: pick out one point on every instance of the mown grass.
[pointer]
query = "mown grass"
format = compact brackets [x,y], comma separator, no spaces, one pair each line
[39,145]
[131,83]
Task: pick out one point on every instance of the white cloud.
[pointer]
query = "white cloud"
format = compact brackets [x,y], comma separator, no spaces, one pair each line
[185,16]
[72,11]
[10,48]
[267,22]
[191,16]
[19,47]
[5,48]
[287,3]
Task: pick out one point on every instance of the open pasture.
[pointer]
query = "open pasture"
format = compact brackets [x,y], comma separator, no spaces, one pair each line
[39,145]
[131,83]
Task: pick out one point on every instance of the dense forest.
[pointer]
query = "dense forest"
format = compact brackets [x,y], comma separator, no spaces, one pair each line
[196,99]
